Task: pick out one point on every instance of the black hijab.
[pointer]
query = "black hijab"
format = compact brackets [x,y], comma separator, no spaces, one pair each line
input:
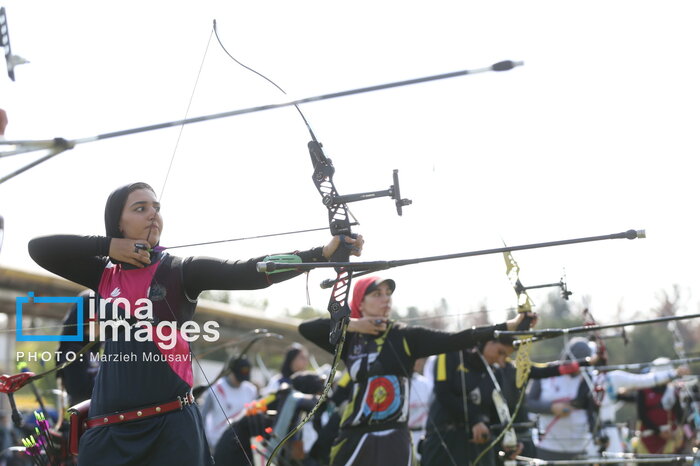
[292,352]
[115,207]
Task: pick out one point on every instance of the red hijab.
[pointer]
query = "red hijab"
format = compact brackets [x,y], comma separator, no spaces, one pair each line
[361,289]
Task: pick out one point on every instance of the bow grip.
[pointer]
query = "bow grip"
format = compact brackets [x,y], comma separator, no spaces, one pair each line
[338,307]
[342,254]
[339,314]
[525,323]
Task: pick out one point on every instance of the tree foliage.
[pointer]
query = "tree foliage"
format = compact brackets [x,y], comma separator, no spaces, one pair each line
[630,345]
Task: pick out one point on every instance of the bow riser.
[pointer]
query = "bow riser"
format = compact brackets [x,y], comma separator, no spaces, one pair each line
[339,224]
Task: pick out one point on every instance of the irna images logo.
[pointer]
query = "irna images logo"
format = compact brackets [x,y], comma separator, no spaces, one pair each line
[20,301]
[115,319]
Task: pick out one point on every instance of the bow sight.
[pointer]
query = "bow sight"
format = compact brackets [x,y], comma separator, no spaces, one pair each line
[561,284]
[393,192]
[324,170]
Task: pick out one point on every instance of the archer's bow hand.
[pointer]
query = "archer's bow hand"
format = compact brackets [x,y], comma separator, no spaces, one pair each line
[601,440]
[513,323]
[353,243]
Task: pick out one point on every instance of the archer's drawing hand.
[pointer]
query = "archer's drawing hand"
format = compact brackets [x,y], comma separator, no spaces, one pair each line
[480,433]
[665,432]
[561,409]
[126,250]
[368,325]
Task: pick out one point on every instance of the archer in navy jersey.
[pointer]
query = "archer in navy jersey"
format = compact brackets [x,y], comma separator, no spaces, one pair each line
[147,378]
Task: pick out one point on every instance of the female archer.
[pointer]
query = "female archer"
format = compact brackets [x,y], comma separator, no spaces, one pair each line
[379,355]
[142,410]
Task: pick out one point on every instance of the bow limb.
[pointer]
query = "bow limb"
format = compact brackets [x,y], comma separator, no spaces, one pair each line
[12,383]
[597,391]
[23,367]
[525,305]
[692,404]
[678,341]
[465,398]
[165,300]
[267,375]
[601,348]
[11,60]
[9,384]
[258,334]
[523,362]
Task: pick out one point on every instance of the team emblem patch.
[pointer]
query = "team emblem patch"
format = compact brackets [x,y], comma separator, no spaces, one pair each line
[383,397]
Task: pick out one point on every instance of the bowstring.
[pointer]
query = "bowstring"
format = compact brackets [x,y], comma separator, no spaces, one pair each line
[187,111]
[212,393]
[308,126]
[172,159]
[301,114]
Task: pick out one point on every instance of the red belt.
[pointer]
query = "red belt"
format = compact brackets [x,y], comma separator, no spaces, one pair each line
[141,413]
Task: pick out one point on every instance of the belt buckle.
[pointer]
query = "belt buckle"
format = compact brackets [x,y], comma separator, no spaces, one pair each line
[185,401]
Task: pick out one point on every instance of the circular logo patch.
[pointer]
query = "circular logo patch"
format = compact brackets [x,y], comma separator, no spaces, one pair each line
[383,397]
